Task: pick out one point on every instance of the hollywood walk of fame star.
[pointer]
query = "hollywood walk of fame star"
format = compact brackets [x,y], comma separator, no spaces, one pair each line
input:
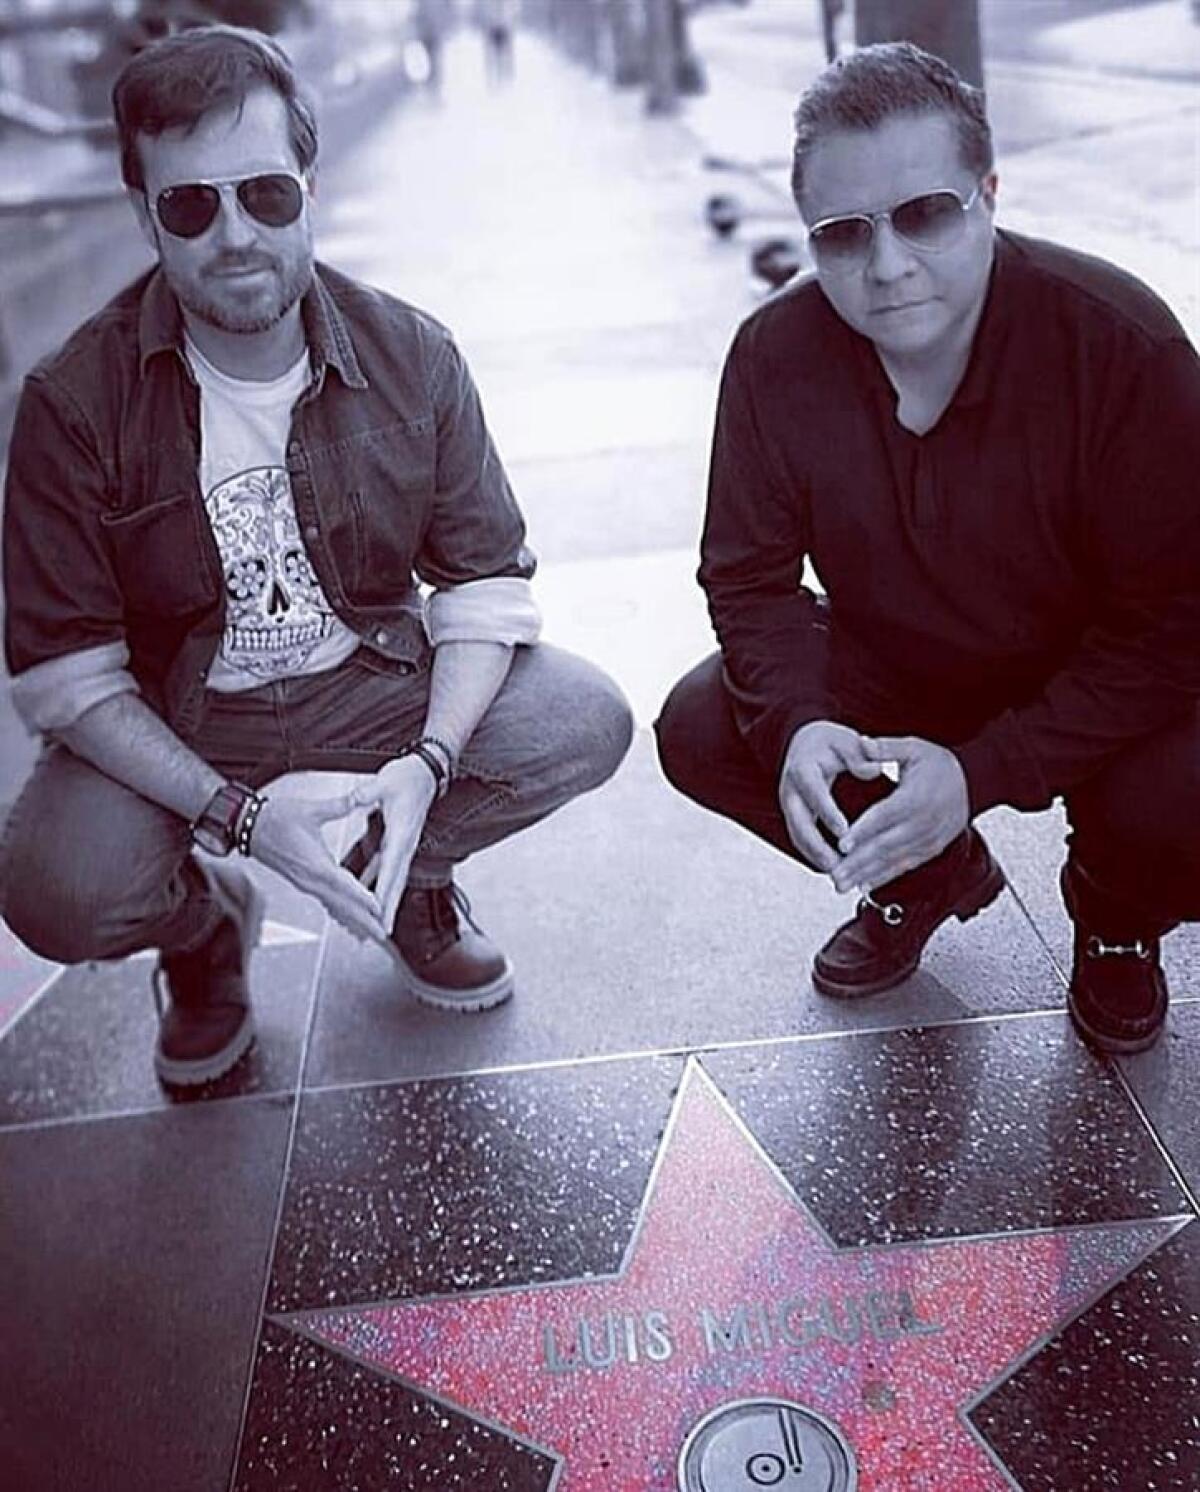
[729,1290]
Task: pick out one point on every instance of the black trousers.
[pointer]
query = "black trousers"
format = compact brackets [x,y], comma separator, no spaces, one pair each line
[1135,826]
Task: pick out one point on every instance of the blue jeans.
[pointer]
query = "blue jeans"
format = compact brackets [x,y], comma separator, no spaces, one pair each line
[90,869]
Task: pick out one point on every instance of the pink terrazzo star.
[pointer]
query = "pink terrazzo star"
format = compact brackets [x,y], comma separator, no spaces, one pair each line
[731,1290]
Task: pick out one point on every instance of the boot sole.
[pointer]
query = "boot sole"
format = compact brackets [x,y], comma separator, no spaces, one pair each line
[468,1001]
[974,901]
[1116,1046]
[177,1073]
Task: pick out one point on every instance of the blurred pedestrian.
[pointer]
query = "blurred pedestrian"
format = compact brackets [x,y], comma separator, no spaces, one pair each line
[431,21]
[986,445]
[222,493]
[496,20]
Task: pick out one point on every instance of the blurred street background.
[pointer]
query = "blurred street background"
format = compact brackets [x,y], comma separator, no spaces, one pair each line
[592,193]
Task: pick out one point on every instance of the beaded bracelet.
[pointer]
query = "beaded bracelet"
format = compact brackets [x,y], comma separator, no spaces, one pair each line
[248,818]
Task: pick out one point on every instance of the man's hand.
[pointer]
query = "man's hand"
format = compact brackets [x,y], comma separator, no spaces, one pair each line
[403,791]
[819,752]
[287,837]
[914,823]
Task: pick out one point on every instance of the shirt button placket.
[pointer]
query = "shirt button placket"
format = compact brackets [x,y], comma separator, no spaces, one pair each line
[926,496]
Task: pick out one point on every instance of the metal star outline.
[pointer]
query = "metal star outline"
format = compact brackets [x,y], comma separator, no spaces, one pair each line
[731,1289]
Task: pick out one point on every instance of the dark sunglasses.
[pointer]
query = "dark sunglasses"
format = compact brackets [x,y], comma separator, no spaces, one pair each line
[274,199]
[931,222]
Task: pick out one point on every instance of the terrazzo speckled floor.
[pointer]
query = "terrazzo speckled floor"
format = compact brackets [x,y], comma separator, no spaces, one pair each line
[667,1221]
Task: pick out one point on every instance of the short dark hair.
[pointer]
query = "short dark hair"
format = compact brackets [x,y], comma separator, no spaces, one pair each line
[863,89]
[174,82]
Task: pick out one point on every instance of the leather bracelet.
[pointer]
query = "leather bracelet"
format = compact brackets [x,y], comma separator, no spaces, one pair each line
[451,759]
[437,768]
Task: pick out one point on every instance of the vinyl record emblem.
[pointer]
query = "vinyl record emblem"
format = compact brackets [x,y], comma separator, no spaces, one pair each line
[756,1443]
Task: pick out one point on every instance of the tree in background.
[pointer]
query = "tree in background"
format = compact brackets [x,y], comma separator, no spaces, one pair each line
[673,67]
[948,28]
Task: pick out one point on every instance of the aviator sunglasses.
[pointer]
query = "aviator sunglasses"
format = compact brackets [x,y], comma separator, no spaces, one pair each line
[273,198]
[931,222]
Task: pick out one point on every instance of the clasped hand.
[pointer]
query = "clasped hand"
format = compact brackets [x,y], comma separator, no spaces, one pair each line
[403,791]
[288,838]
[925,811]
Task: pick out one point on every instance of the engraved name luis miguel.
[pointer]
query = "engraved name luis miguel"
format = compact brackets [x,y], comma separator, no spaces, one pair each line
[649,1337]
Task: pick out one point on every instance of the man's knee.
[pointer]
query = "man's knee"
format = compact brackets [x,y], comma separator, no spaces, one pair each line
[84,861]
[695,710]
[558,714]
[42,900]
[603,724]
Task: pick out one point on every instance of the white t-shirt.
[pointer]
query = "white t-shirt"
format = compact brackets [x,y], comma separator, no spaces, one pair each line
[278,621]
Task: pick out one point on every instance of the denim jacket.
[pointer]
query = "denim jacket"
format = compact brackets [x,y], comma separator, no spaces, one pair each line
[112,575]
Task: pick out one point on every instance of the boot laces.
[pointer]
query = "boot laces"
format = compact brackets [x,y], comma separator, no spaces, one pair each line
[443,911]
[1097,948]
[891,911]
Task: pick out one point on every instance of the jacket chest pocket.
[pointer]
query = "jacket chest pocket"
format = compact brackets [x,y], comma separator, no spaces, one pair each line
[159,556]
[375,496]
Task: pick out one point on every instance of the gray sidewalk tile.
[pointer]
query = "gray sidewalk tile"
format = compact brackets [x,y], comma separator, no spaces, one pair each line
[637,502]
[133,1257]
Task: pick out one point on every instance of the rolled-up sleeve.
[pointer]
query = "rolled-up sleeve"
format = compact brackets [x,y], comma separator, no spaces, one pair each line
[51,696]
[476,531]
[501,610]
[64,633]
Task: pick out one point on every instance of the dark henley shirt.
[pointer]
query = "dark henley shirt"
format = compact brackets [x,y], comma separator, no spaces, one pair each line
[1034,558]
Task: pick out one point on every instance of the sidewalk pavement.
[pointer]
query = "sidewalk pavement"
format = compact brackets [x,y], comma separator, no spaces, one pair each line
[1161,40]
[380,1152]
[1105,160]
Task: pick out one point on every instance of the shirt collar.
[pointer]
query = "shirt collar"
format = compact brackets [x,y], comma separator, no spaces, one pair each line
[160,325]
[160,329]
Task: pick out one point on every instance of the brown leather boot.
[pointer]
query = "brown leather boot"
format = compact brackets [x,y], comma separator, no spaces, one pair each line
[203,997]
[883,942]
[1118,995]
[449,960]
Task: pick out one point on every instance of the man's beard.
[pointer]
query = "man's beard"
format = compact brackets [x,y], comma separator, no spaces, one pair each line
[229,318]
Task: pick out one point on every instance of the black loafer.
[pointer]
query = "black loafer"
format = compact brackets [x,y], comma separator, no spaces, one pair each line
[882,943]
[1118,995]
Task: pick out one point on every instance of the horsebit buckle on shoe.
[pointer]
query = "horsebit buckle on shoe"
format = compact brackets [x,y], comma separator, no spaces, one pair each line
[891,911]
[1097,948]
